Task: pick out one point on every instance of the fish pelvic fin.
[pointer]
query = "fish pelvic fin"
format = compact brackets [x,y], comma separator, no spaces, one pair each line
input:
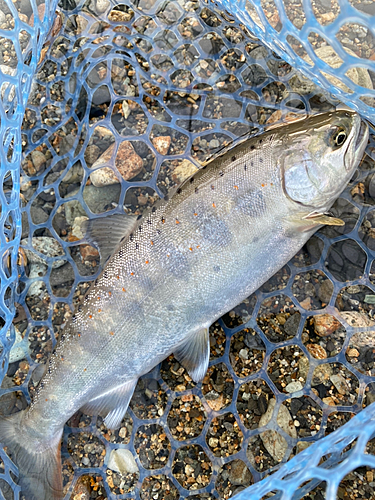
[194,354]
[39,464]
[112,405]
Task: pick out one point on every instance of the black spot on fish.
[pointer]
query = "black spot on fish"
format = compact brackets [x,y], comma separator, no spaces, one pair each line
[196,190]
[191,180]
[221,173]
[149,221]
[136,246]
[153,210]
[252,203]
[131,236]
[260,141]
[139,216]
[252,147]
[217,269]
[245,167]
[179,191]
[233,158]
[166,198]
[80,308]
[158,231]
[261,160]
[140,229]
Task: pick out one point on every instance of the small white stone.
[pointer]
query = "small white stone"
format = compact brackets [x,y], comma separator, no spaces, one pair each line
[243,354]
[122,461]
[294,387]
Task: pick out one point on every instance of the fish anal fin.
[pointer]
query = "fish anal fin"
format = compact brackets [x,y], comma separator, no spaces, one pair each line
[194,354]
[112,405]
[107,232]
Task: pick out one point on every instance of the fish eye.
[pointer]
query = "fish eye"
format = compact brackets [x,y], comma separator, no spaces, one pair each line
[338,137]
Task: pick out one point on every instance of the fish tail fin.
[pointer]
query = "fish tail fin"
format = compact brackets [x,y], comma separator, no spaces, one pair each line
[39,464]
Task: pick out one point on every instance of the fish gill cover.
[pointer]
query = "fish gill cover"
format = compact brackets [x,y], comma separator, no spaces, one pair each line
[121,102]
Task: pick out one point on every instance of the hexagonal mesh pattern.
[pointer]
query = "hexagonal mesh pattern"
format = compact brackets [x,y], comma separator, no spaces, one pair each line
[126,101]
[328,40]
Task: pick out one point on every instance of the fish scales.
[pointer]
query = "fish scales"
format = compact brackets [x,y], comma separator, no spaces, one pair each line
[187,262]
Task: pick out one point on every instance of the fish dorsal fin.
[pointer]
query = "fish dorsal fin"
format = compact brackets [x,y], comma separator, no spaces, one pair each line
[112,405]
[107,232]
[194,354]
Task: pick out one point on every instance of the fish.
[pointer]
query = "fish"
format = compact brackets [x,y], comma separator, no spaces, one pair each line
[171,273]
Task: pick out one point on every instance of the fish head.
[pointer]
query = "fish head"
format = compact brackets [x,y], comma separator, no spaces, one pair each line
[320,155]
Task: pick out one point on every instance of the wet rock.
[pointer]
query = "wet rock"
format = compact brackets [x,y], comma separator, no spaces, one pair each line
[274,443]
[162,144]
[122,461]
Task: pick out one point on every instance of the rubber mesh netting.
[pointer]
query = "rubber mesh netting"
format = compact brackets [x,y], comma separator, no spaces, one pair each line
[115,107]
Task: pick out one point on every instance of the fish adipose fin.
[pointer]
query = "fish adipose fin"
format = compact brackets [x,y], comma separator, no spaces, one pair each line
[194,354]
[107,232]
[39,464]
[112,405]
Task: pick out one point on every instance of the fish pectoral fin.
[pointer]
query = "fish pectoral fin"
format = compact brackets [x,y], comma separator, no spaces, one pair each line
[112,405]
[107,232]
[194,354]
[324,219]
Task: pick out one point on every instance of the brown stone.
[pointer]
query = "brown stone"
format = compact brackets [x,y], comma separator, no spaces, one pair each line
[325,324]
[317,351]
[88,253]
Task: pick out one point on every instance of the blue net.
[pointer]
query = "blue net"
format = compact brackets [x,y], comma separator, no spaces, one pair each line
[323,39]
[120,103]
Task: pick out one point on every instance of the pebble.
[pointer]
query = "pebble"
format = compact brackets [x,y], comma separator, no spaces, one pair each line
[340,383]
[239,473]
[325,324]
[128,163]
[162,144]
[77,227]
[122,461]
[39,160]
[274,443]
[294,387]
[360,320]
[317,351]
[243,354]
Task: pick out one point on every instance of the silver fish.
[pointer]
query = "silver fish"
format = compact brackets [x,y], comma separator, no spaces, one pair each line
[175,271]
